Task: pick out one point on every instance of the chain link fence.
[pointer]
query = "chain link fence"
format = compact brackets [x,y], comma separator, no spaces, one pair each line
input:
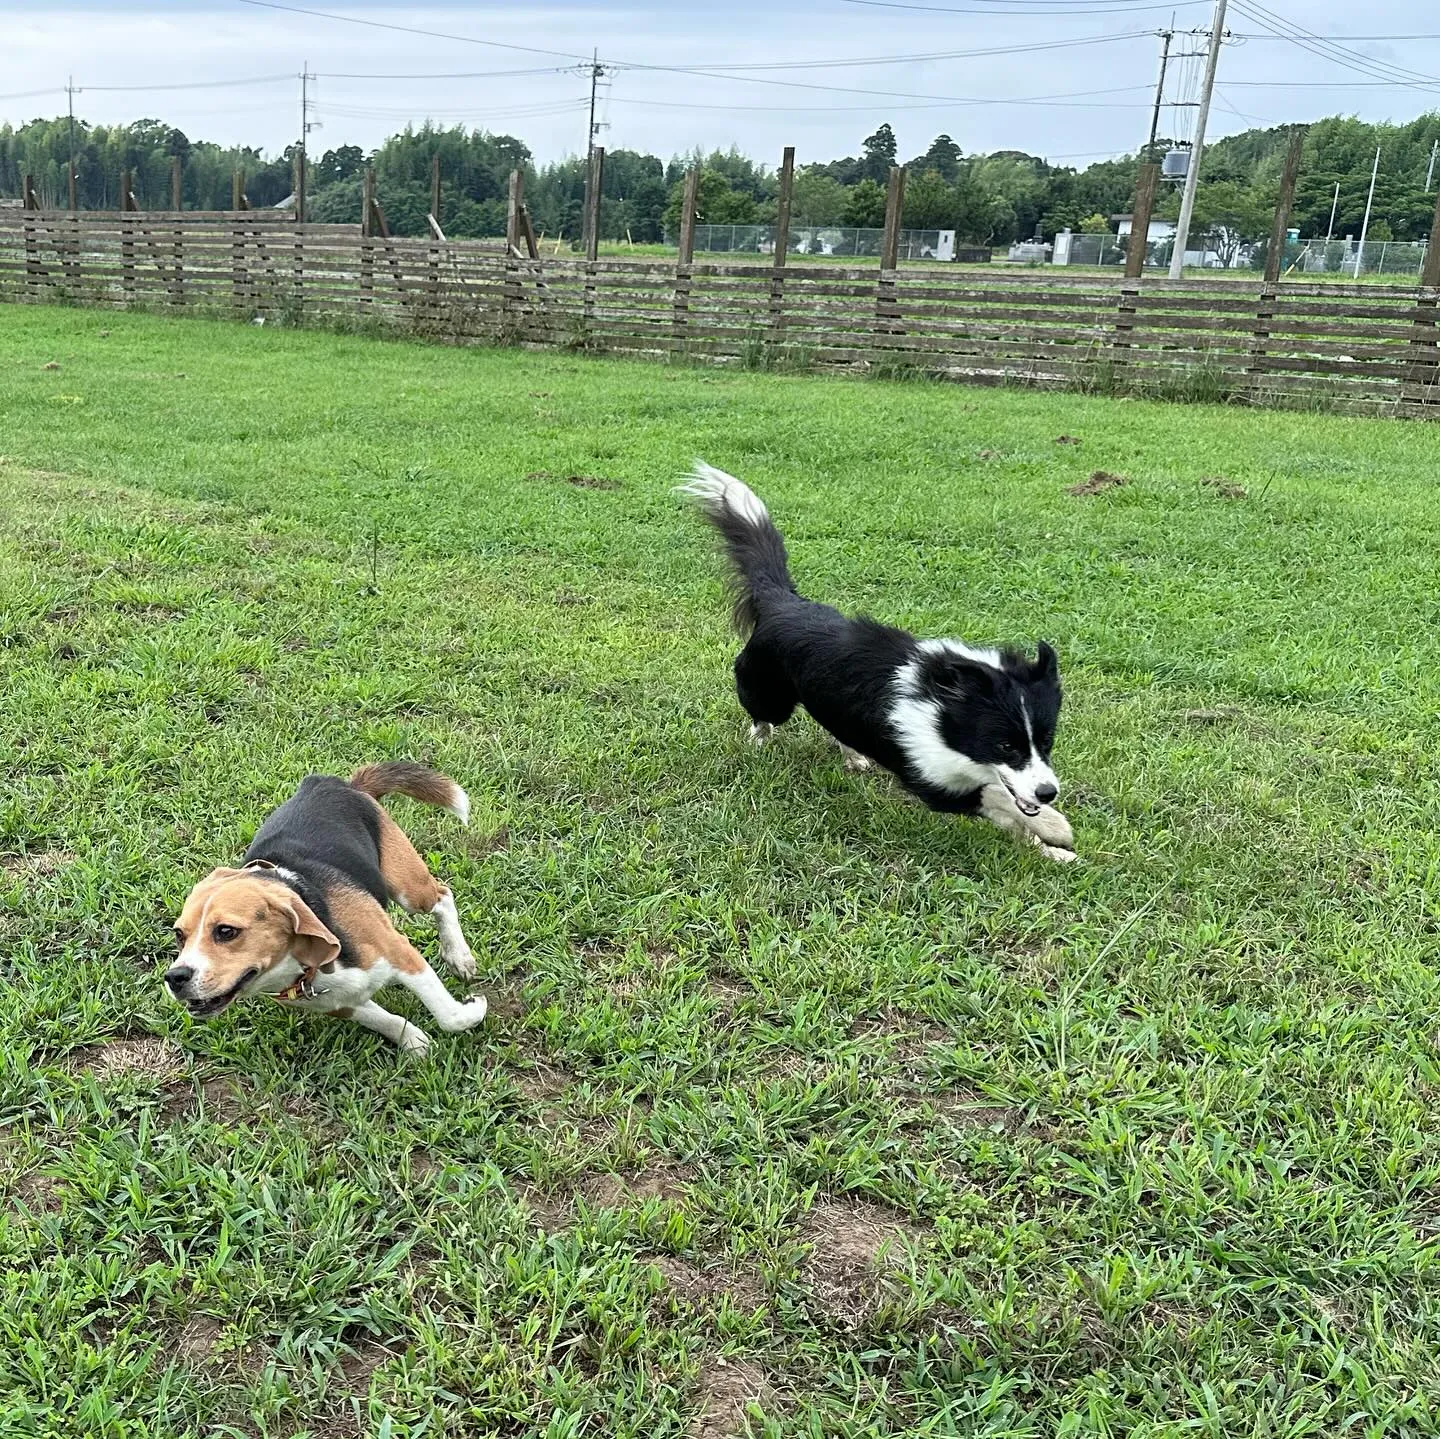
[839,241]
[1375,257]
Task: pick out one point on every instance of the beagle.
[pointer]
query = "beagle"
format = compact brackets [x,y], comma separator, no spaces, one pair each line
[304,919]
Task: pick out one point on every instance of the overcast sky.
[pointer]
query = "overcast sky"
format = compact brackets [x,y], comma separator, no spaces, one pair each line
[1070,103]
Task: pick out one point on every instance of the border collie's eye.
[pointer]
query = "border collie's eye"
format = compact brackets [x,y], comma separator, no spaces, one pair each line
[224,933]
[178,935]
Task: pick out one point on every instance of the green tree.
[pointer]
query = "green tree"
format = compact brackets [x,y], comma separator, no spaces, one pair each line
[943,157]
[865,206]
[879,154]
[819,199]
[930,204]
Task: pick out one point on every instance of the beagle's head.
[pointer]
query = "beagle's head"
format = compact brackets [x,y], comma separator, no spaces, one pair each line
[239,933]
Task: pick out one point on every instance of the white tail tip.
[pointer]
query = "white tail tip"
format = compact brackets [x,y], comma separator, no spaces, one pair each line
[459,805]
[718,491]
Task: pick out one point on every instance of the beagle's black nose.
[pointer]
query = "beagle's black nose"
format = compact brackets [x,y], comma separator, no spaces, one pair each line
[178,976]
[1045,792]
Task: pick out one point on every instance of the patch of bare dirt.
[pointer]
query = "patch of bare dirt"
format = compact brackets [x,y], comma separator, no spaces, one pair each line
[40,1193]
[551,1212]
[1226,489]
[223,1101]
[196,1341]
[988,455]
[661,1181]
[705,1288]
[974,1111]
[853,1245]
[149,1055]
[38,864]
[1067,439]
[592,482]
[569,597]
[543,1083]
[726,1389]
[1097,484]
[358,1365]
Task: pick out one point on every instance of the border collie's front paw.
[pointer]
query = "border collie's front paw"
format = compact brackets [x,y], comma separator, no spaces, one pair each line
[854,761]
[1055,852]
[760,732]
[1052,828]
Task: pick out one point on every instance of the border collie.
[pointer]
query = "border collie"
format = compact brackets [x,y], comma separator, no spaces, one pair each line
[966,730]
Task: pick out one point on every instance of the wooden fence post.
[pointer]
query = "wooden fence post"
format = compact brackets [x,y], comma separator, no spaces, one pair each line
[1147,178]
[894,206]
[1423,387]
[687,216]
[685,258]
[435,190]
[367,253]
[887,294]
[127,244]
[238,200]
[1275,255]
[512,211]
[300,197]
[1430,271]
[74,186]
[28,200]
[593,187]
[177,252]
[783,201]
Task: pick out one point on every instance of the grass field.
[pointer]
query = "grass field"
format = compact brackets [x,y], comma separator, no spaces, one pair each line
[801,1107]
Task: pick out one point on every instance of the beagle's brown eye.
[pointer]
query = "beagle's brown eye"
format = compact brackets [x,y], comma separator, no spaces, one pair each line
[178,935]
[224,933]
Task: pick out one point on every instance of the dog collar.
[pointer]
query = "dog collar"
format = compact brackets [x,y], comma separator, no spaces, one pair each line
[302,988]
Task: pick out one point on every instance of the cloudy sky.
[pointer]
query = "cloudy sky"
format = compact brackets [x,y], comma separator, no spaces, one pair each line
[1069,79]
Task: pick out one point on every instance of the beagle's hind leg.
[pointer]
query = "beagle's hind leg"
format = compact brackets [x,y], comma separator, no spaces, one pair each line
[411,885]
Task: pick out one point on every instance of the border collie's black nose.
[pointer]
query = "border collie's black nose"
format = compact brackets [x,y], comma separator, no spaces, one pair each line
[1045,792]
[178,975]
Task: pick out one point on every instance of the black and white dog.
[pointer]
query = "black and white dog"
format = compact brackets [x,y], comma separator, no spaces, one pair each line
[967,730]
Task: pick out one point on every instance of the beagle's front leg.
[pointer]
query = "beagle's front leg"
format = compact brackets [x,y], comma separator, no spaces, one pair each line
[398,1030]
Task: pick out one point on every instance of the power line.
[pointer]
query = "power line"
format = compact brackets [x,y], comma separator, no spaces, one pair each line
[1060,100]
[1352,60]
[408,29]
[195,84]
[1083,8]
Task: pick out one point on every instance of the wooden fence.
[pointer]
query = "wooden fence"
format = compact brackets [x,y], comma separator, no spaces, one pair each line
[1372,348]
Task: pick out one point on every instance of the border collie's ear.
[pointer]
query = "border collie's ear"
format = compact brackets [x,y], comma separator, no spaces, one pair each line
[955,674]
[1047,663]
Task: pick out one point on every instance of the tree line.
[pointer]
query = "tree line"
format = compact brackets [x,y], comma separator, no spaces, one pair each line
[988,199]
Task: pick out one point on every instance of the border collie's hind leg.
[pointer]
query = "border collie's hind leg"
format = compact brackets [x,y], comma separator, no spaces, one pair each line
[765,691]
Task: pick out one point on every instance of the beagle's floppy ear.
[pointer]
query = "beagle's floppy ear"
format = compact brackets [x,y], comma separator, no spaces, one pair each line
[315,946]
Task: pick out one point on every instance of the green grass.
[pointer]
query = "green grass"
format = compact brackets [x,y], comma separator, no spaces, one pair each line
[919,1133]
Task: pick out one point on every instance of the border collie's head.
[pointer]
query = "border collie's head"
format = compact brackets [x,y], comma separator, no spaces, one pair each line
[972,717]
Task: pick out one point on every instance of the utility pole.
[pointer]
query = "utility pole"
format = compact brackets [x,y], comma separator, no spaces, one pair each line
[70,93]
[305,128]
[1166,36]
[1334,206]
[1365,223]
[1430,173]
[1197,149]
[596,71]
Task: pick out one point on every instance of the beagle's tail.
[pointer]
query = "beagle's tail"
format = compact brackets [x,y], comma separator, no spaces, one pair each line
[403,776]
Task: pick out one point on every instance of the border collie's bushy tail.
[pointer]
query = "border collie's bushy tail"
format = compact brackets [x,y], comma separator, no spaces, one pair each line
[756,551]
[404,776]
